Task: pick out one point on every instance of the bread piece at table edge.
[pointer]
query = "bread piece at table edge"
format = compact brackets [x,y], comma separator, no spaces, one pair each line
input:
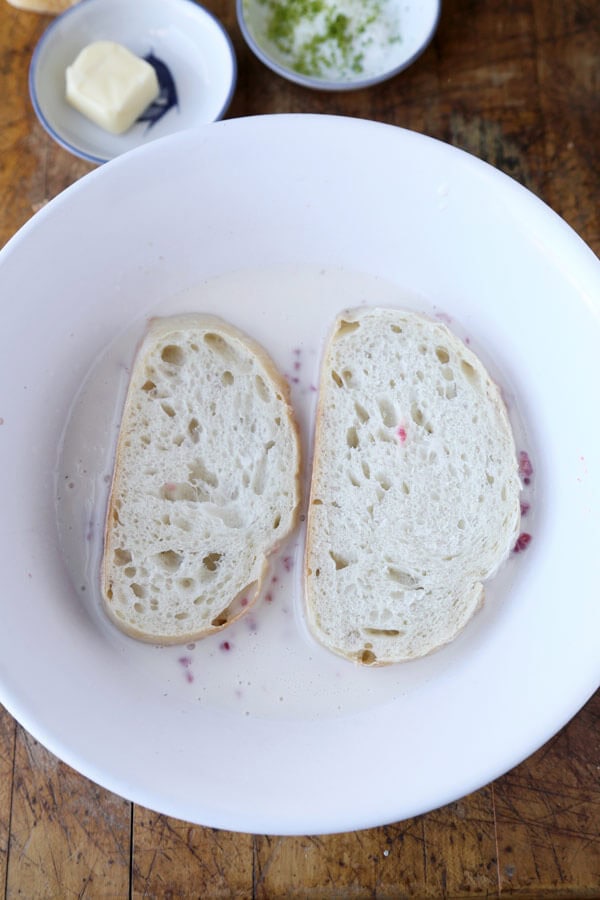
[46,7]
[411,421]
[205,490]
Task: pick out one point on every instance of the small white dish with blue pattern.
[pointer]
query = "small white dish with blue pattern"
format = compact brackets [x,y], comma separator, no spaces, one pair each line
[189,48]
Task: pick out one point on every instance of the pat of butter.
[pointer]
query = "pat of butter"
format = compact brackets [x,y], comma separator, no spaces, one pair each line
[110,85]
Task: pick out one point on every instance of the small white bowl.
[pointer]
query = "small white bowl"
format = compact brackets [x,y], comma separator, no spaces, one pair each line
[411,25]
[189,41]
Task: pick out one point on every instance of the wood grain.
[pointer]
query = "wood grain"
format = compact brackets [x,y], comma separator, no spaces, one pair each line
[7,755]
[175,859]
[515,82]
[548,823]
[68,837]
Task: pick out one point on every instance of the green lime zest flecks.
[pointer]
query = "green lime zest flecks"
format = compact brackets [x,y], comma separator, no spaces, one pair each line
[322,38]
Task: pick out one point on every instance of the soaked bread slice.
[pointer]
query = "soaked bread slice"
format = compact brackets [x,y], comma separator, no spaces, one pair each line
[206,481]
[415,489]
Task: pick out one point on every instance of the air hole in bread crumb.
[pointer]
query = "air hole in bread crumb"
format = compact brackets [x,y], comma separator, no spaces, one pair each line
[261,388]
[365,467]
[416,414]
[340,562]
[383,632]
[361,412]
[129,571]
[269,445]
[347,375]
[139,607]
[387,411]
[211,561]
[337,378]
[169,560]
[346,327]
[168,409]
[194,429]
[352,437]
[401,577]
[198,472]
[148,386]
[173,355]
[317,502]
[448,373]
[218,344]
[178,491]
[227,377]
[186,583]
[181,615]
[276,521]
[423,349]
[442,354]
[367,658]
[450,391]
[489,478]
[468,371]
[384,482]
[461,524]
[122,557]
[259,480]
[139,590]
[405,488]
[396,329]
[353,480]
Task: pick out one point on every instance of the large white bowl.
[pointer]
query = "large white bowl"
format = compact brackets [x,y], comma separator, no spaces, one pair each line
[277,223]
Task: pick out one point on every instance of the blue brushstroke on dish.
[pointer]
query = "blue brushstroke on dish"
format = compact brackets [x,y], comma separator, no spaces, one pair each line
[167,97]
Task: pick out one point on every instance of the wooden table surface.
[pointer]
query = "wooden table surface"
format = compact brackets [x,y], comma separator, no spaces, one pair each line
[517,83]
